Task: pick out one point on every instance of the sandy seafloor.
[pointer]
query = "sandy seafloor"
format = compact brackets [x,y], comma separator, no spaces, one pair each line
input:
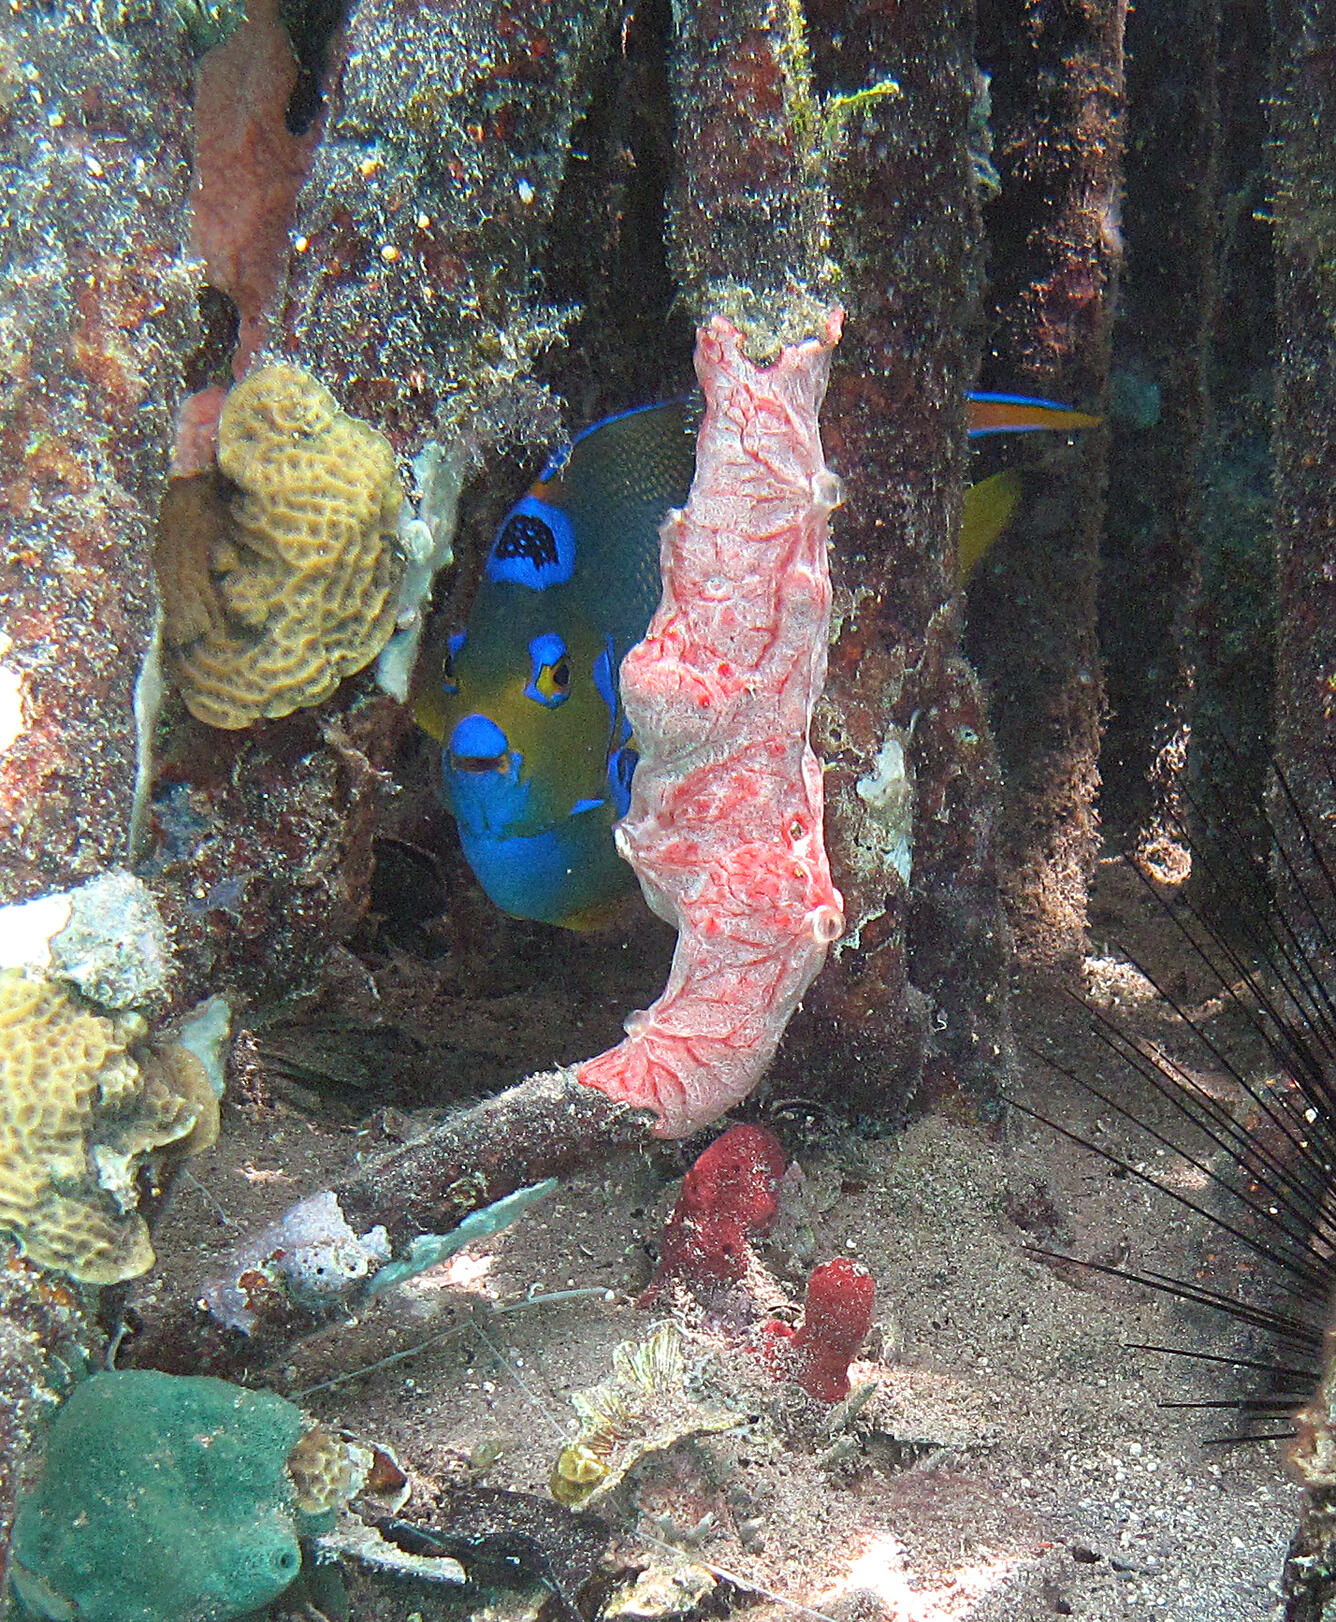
[1014,1464]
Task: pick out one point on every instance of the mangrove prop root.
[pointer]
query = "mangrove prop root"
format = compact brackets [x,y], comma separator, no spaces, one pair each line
[1055,253]
[1303,123]
[1153,531]
[1303,114]
[1310,1564]
[97,306]
[911,777]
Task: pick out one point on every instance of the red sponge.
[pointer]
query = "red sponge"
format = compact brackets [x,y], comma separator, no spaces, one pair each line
[837,1315]
[730,1193]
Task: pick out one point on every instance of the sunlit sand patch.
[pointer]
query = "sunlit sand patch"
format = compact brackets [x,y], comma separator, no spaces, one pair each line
[880,1569]
[464,1271]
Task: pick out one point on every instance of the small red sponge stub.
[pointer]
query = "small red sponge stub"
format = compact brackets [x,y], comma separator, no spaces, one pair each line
[730,1193]
[837,1315]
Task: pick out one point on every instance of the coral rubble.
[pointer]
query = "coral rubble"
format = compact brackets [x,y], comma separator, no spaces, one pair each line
[310,1257]
[274,593]
[327,1469]
[113,947]
[82,1108]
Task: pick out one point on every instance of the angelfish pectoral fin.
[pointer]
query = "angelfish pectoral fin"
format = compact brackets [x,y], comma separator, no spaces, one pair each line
[621,769]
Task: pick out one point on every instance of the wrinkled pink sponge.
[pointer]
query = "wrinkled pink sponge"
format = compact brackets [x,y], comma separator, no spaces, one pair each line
[731,1192]
[248,169]
[724,829]
[196,449]
[837,1315]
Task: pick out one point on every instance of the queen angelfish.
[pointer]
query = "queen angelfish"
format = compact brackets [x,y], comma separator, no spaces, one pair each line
[537,755]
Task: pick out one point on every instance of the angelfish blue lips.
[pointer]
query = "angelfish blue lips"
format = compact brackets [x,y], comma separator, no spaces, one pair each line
[484,779]
[477,744]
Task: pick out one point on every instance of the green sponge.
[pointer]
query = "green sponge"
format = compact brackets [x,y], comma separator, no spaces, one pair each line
[163,1498]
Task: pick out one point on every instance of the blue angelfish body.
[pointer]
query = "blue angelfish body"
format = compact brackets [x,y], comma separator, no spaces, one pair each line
[537,756]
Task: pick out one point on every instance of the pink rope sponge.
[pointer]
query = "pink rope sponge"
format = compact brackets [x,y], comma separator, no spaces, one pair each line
[724,830]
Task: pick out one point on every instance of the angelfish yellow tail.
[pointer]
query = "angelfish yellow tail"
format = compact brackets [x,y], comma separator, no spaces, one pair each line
[989,507]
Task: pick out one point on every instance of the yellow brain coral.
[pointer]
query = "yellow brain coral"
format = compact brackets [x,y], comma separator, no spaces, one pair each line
[328,1469]
[280,577]
[80,1108]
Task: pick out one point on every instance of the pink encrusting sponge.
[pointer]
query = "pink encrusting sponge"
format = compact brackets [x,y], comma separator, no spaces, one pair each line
[724,830]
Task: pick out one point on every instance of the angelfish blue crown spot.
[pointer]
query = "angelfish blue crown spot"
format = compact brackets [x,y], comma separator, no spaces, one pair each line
[535,546]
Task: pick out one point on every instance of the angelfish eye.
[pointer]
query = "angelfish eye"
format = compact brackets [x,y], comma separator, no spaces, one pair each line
[552,684]
[549,671]
[449,681]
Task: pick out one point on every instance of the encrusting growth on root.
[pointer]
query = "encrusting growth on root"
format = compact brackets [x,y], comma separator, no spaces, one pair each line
[544,1126]
[725,826]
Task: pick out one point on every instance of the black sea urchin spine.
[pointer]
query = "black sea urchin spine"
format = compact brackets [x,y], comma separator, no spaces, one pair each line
[1266,1165]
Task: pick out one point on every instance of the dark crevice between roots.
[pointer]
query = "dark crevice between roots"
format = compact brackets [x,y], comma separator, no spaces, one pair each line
[607,247]
[219,324]
[311,26]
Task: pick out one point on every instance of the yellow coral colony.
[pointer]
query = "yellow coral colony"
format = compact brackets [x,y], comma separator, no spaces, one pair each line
[280,578]
[328,1470]
[80,1108]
